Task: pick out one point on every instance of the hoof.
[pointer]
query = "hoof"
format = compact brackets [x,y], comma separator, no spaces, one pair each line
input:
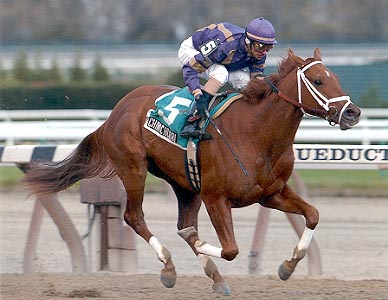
[168,277]
[222,288]
[284,271]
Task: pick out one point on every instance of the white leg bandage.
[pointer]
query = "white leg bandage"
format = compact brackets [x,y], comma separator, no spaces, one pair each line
[305,239]
[158,247]
[205,248]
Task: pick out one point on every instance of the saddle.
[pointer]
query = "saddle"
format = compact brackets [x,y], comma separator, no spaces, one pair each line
[169,115]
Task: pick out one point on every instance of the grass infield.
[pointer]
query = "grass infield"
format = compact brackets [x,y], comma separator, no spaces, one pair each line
[355,180]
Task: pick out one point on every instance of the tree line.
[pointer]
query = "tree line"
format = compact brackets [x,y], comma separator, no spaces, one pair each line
[21,72]
[130,21]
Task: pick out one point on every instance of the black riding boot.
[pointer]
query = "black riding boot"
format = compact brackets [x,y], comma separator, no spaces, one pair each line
[191,130]
[191,127]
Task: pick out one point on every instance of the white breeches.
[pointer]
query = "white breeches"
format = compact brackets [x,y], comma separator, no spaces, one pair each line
[238,79]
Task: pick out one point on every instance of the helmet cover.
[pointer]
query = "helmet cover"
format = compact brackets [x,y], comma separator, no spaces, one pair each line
[260,30]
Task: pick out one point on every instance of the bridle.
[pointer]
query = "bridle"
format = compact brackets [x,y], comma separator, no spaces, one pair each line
[327,111]
[321,99]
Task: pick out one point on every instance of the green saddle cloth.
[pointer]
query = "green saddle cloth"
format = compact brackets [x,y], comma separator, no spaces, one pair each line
[170,113]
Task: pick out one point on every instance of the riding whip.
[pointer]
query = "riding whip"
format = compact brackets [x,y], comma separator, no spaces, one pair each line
[226,143]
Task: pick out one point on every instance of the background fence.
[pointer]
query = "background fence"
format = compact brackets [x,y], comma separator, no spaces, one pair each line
[71,126]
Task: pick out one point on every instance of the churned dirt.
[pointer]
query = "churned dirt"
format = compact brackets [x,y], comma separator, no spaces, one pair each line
[352,236]
[147,286]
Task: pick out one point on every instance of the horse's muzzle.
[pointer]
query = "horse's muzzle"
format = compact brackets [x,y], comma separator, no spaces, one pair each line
[350,117]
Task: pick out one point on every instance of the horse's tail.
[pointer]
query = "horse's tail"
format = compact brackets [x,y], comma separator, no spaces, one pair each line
[88,160]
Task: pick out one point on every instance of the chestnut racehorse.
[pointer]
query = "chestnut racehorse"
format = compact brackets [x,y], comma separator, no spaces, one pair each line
[260,127]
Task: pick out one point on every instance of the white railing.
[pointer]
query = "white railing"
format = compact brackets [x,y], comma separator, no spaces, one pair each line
[71,126]
[366,132]
[43,126]
[53,114]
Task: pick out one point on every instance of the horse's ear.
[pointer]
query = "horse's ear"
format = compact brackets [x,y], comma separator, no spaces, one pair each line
[296,59]
[317,54]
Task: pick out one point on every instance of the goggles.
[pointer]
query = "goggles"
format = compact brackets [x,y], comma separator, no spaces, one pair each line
[261,47]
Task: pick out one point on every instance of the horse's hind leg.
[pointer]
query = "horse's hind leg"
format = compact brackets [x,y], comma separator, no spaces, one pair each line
[189,204]
[288,201]
[134,217]
[132,169]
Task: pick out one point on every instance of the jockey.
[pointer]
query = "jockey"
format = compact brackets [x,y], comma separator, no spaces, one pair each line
[222,53]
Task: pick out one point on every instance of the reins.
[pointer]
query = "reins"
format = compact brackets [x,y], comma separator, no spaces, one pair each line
[292,101]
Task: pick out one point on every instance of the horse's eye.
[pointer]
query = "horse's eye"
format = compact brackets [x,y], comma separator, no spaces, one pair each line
[318,82]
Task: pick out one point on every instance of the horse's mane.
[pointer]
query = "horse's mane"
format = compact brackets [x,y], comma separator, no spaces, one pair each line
[258,89]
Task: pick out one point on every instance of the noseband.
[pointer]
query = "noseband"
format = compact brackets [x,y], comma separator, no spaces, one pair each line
[327,111]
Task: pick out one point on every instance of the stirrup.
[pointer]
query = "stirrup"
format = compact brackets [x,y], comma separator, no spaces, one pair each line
[196,134]
[205,136]
[201,136]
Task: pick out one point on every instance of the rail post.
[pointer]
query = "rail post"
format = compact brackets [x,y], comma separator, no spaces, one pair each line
[117,240]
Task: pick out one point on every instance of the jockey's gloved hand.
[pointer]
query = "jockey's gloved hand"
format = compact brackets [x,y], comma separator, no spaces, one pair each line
[201,104]
[259,76]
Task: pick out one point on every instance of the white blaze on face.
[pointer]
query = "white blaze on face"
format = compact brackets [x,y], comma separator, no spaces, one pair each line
[326,72]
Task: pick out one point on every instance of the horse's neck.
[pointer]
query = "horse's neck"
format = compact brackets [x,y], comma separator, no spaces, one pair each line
[285,115]
[279,119]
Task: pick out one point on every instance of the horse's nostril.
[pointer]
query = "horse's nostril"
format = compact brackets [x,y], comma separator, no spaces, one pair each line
[352,113]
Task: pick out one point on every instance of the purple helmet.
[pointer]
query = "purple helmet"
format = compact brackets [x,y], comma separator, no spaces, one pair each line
[260,30]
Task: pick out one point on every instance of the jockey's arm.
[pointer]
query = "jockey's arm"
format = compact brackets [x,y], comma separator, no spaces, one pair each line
[191,71]
[257,70]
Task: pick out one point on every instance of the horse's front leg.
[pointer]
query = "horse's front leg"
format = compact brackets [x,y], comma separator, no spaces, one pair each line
[220,214]
[288,201]
[189,204]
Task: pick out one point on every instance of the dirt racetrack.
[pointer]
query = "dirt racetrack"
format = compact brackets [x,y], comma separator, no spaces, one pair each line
[352,236]
[193,287]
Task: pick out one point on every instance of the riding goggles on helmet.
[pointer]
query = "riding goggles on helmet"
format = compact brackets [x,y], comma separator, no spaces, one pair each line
[261,47]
